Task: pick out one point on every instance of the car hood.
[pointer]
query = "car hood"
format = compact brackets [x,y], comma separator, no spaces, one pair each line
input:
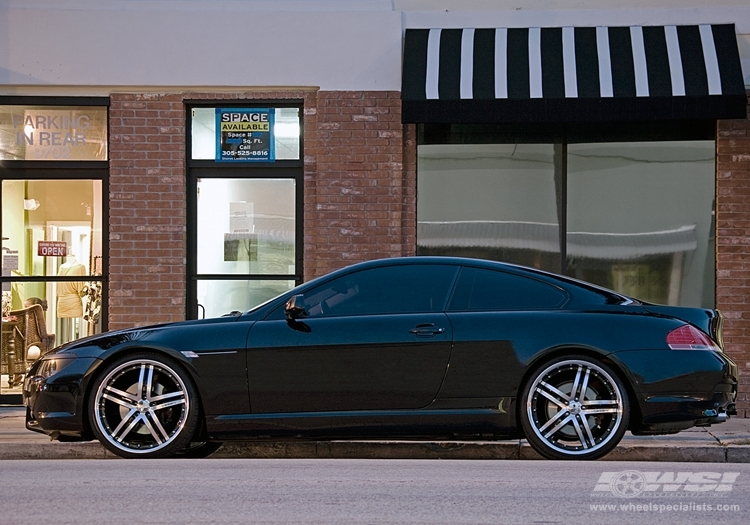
[102,342]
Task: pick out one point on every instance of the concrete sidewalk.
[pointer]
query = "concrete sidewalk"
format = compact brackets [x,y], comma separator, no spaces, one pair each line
[725,443]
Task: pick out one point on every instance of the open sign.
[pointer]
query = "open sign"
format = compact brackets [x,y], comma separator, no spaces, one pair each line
[52,249]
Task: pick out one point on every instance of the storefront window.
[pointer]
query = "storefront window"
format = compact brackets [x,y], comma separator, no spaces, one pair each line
[56,133]
[636,216]
[246,226]
[220,297]
[52,257]
[640,219]
[491,201]
[280,136]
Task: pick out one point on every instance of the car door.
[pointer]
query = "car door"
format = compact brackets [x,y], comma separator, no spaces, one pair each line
[494,315]
[375,339]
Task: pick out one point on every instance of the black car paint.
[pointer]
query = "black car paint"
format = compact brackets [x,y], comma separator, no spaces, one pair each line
[259,375]
[350,363]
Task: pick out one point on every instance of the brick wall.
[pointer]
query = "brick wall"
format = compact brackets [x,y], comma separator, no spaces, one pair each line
[355,207]
[358,204]
[147,232]
[733,246]
[147,209]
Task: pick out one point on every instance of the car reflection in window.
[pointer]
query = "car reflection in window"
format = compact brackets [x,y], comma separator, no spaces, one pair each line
[331,299]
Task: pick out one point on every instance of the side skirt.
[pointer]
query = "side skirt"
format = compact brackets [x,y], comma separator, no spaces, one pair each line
[475,423]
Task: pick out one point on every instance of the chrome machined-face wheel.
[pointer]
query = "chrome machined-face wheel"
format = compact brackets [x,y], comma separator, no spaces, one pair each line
[575,408]
[142,407]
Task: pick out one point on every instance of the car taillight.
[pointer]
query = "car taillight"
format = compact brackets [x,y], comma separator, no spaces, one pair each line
[688,337]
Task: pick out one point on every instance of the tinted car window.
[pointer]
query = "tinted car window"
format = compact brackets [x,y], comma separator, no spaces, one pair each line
[393,289]
[479,289]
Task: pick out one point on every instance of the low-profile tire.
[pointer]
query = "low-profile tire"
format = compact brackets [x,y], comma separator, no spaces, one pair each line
[144,405]
[574,407]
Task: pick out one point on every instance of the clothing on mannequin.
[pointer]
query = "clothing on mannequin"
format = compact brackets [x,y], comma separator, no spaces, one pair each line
[69,302]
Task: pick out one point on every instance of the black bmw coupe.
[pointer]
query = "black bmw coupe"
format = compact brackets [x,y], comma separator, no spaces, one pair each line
[408,348]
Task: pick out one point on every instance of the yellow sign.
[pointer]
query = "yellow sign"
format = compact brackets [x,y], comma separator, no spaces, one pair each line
[245,126]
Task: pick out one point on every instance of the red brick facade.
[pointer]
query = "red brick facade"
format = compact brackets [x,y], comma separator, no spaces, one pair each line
[147,209]
[360,201]
[733,246]
[355,211]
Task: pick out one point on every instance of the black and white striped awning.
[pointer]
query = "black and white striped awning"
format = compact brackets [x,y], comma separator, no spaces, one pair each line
[572,74]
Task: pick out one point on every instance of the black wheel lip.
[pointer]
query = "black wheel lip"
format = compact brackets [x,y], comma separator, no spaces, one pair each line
[134,362]
[578,451]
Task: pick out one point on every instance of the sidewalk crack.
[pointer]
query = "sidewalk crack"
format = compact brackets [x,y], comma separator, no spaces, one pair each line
[721,444]
[716,438]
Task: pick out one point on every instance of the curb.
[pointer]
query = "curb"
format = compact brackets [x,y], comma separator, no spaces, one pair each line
[54,450]
[513,450]
[518,450]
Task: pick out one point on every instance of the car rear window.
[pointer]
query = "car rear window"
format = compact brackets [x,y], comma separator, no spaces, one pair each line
[481,289]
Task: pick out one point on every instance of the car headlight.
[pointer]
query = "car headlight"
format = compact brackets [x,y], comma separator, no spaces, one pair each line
[50,367]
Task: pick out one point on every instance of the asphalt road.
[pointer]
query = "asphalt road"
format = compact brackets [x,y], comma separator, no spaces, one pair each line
[290,491]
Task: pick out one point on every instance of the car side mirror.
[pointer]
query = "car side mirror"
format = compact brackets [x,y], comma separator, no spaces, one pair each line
[295,307]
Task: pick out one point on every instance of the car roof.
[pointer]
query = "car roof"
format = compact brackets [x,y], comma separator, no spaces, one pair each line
[570,284]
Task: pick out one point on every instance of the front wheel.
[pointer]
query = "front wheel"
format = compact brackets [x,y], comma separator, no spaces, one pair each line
[144,406]
[574,407]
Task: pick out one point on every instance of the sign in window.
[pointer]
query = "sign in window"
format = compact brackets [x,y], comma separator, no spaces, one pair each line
[57,133]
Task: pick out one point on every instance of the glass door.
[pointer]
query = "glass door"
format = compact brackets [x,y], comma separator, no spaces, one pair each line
[51,267]
[246,242]
[245,196]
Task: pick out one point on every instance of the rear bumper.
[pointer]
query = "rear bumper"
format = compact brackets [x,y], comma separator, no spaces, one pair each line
[678,389]
[672,415]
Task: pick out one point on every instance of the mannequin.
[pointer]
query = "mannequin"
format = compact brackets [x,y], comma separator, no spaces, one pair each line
[69,304]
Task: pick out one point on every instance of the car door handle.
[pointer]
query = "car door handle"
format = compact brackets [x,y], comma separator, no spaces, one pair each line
[426,330]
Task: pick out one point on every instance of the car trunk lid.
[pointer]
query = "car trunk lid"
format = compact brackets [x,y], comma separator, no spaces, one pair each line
[708,320]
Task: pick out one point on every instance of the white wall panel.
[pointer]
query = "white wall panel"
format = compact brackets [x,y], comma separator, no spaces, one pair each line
[333,50]
[332,44]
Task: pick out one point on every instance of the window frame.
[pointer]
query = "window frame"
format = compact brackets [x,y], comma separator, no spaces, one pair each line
[89,170]
[212,169]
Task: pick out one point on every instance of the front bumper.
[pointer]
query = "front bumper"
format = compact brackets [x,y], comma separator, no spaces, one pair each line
[55,404]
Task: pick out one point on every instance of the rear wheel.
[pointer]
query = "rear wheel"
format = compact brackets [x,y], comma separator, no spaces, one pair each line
[574,407]
[144,406]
